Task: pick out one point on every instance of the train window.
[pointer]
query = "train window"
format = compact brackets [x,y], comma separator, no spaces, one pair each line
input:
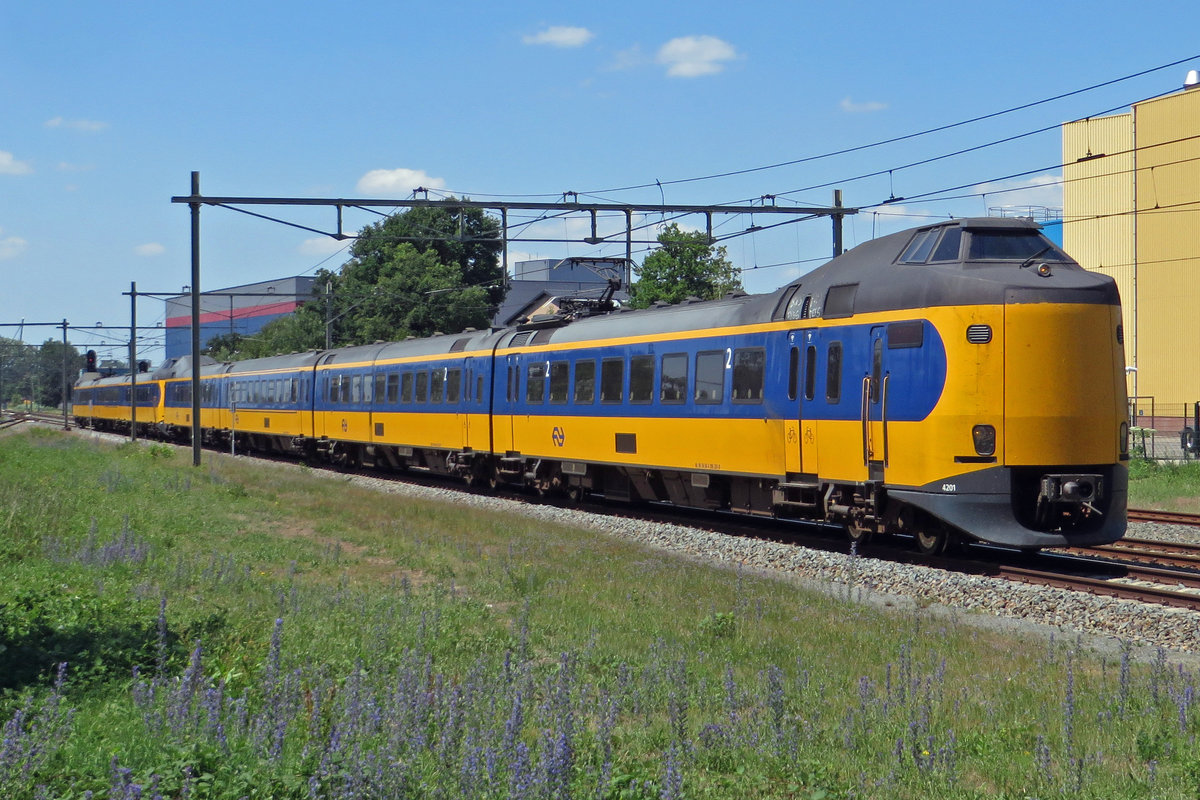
[535,383]
[393,387]
[905,334]
[876,370]
[674,378]
[919,248]
[710,376]
[422,387]
[947,249]
[641,379]
[479,389]
[560,379]
[380,386]
[356,389]
[833,373]
[793,372]
[437,385]
[1010,246]
[366,382]
[271,391]
[406,387]
[453,385]
[749,369]
[612,380]
[585,381]
[839,300]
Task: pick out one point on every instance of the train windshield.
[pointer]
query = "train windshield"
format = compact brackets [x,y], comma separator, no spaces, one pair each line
[1012,246]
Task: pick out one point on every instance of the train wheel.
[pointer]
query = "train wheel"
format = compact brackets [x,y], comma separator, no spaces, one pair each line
[930,538]
[857,534]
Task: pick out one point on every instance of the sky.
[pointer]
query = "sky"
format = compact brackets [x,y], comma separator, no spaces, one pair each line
[107,108]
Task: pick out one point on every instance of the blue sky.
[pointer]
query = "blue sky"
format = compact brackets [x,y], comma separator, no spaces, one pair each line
[108,107]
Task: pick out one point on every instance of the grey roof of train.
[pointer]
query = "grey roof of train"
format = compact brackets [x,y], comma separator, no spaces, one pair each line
[883,284]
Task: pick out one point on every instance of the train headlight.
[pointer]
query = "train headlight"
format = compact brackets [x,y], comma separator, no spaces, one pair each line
[985,439]
[1123,438]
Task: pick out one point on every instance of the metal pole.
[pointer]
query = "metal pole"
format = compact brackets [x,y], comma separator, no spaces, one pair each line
[628,248]
[133,360]
[504,244]
[837,223]
[195,205]
[329,313]
[66,424]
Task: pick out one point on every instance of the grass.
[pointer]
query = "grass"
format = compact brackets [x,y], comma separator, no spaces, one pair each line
[237,630]
[1165,486]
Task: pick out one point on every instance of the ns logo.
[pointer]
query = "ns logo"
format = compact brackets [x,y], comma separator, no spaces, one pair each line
[558,436]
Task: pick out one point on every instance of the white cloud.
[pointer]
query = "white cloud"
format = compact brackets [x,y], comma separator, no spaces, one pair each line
[150,249]
[85,125]
[693,56]
[852,107]
[397,181]
[10,166]
[560,36]
[11,246]
[321,246]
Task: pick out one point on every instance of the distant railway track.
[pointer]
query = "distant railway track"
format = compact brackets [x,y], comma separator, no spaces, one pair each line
[1163,517]
[14,419]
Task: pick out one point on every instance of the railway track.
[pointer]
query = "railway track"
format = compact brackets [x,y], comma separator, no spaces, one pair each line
[1163,517]
[13,419]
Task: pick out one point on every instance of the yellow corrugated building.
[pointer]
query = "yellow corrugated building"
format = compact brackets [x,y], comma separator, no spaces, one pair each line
[1131,209]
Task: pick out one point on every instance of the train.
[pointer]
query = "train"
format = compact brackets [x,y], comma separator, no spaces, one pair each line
[957,382]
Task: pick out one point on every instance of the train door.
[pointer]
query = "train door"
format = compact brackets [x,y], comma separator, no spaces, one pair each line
[512,387]
[467,399]
[793,454]
[874,402]
[806,342]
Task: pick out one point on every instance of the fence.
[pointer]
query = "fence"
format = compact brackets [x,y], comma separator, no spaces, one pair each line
[1167,432]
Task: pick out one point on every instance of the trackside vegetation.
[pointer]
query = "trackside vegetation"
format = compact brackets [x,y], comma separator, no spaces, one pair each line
[1166,486]
[236,630]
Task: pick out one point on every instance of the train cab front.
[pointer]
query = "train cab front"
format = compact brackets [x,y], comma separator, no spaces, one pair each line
[1038,429]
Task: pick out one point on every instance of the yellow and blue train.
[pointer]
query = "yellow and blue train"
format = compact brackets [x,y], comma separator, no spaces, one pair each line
[963,380]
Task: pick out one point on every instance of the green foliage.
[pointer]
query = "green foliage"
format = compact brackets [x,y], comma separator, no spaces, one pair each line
[44,622]
[415,273]
[418,272]
[718,625]
[29,373]
[686,265]
[1154,484]
[784,693]
[295,333]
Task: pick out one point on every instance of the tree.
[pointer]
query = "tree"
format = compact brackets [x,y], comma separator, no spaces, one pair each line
[295,333]
[419,272]
[686,265]
[31,372]
[415,273]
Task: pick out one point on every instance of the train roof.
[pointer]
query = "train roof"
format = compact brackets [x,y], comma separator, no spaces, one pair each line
[978,260]
[973,261]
